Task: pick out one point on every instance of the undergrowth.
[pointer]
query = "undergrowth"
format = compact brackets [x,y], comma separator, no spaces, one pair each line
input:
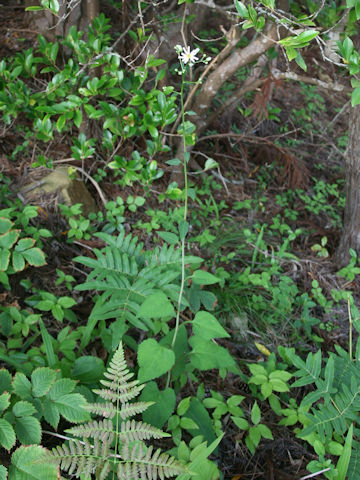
[223,318]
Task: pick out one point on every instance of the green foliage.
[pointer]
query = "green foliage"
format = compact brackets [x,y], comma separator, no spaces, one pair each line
[128,456]
[329,411]
[70,95]
[151,299]
[131,279]
[17,250]
[59,307]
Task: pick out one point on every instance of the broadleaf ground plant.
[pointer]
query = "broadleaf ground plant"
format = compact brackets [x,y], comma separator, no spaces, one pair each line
[216,306]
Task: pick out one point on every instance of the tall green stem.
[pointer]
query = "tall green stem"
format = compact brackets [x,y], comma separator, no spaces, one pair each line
[182,284]
[182,245]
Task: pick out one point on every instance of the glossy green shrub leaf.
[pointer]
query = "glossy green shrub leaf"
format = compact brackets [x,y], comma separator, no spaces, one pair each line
[88,369]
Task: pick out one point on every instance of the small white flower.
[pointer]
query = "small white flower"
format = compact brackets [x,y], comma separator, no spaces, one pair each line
[188,56]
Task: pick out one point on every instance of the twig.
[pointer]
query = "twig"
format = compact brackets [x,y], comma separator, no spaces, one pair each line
[94,182]
[312,475]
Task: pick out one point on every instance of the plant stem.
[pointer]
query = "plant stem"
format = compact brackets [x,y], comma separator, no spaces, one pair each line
[182,246]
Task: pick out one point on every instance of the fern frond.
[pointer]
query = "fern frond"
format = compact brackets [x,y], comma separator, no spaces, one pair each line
[142,464]
[337,416]
[122,397]
[101,429]
[353,472]
[166,255]
[130,409]
[133,430]
[80,458]
[125,243]
[106,409]
[110,263]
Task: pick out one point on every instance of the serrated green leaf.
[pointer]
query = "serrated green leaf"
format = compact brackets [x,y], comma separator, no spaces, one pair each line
[57,312]
[4,401]
[7,435]
[3,473]
[22,386]
[72,407]
[280,375]
[63,386]
[24,244]
[5,224]
[279,385]
[51,413]
[23,409]
[4,259]
[183,406]
[266,389]
[265,432]
[28,430]
[256,369]
[44,305]
[8,239]
[35,257]
[42,378]
[18,261]
[25,465]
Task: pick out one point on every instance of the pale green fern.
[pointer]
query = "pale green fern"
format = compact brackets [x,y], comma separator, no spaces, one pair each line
[114,446]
